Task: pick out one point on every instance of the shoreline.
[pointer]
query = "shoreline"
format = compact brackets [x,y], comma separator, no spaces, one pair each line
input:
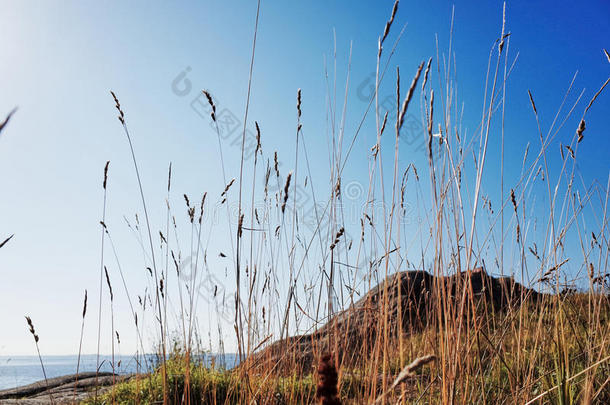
[61,390]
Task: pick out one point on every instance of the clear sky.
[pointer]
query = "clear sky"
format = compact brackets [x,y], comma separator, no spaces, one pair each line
[58,61]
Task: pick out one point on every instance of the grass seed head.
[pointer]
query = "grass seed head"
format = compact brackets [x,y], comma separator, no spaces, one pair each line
[32,330]
[286,189]
[326,390]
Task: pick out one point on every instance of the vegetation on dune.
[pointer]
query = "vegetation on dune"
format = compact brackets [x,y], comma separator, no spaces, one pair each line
[208,385]
[507,356]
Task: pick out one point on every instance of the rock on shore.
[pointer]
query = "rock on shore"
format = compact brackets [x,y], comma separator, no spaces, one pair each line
[62,390]
[407,302]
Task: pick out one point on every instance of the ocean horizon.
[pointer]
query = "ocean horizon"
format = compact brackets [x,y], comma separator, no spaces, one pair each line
[20,370]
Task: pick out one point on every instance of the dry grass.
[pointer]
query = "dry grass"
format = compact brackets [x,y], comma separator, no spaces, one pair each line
[291,280]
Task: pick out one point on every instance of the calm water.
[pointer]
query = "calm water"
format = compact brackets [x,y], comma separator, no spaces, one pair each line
[16,371]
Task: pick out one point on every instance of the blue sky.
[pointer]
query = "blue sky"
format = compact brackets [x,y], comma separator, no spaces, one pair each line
[60,59]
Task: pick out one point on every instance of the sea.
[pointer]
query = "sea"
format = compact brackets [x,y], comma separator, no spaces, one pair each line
[17,371]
